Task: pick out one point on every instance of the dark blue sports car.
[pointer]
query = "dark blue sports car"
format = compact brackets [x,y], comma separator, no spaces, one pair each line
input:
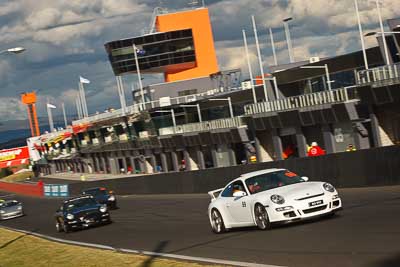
[102,196]
[81,212]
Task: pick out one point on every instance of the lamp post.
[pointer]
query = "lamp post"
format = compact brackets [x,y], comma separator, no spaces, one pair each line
[328,79]
[172,114]
[288,39]
[273,46]
[249,66]
[229,103]
[361,35]
[259,56]
[383,33]
[198,110]
[14,50]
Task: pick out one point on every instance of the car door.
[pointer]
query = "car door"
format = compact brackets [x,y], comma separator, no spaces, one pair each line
[240,207]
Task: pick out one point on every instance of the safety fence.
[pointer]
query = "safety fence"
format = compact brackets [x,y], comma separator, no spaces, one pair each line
[204,126]
[380,76]
[162,102]
[302,101]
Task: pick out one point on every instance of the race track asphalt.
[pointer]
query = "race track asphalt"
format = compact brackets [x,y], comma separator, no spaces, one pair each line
[365,233]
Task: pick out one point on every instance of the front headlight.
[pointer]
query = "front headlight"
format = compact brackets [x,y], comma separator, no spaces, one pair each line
[70,216]
[2,211]
[328,187]
[103,209]
[19,208]
[277,199]
[111,198]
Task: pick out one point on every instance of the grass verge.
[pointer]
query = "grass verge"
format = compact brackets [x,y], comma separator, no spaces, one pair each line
[18,249]
[17,177]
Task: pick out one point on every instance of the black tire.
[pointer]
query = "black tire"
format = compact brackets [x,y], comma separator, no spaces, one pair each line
[261,217]
[66,228]
[217,222]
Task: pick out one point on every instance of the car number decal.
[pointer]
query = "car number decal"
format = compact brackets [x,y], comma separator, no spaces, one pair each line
[243,204]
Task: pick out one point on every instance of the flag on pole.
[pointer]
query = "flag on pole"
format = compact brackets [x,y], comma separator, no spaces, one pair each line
[83,80]
[51,106]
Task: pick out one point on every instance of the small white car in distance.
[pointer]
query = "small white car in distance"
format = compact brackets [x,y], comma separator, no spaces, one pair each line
[270,196]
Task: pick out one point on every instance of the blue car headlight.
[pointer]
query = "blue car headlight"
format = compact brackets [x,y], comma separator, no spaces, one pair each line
[103,209]
[70,216]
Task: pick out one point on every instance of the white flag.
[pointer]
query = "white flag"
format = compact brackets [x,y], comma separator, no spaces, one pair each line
[83,80]
[51,106]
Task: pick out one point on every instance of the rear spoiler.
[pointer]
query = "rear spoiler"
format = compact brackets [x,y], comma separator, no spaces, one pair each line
[214,194]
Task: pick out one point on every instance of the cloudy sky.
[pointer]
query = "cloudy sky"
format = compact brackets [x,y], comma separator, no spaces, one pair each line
[65,38]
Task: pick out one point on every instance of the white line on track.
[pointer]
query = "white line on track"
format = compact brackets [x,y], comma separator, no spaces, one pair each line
[143,252]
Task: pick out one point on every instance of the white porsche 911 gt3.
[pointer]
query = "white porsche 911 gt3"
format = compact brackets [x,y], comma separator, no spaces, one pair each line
[270,196]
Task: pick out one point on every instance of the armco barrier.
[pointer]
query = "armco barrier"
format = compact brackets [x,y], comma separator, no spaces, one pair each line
[372,167]
[23,189]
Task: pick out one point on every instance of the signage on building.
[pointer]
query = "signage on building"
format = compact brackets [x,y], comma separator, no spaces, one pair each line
[14,156]
[56,190]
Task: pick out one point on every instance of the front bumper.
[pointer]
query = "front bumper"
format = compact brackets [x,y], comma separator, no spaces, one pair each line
[302,210]
[11,215]
[84,222]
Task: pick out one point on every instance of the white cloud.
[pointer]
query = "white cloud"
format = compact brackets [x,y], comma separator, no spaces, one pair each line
[65,39]
[12,109]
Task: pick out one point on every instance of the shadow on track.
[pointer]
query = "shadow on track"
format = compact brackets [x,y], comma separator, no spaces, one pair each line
[159,249]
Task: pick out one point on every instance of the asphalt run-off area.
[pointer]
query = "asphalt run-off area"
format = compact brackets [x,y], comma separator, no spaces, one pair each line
[365,233]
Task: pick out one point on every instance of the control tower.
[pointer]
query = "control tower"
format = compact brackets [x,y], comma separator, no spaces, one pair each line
[181,49]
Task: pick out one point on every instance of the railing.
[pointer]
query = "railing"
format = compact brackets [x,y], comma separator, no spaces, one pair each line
[162,102]
[302,101]
[384,75]
[204,126]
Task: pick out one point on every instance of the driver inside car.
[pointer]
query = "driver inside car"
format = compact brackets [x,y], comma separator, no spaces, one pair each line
[253,188]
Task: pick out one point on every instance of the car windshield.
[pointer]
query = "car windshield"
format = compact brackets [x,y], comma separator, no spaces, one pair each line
[95,192]
[7,204]
[272,180]
[80,203]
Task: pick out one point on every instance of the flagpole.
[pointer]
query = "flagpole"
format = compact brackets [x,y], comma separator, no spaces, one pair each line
[84,104]
[65,116]
[51,124]
[121,94]
[78,107]
[139,76]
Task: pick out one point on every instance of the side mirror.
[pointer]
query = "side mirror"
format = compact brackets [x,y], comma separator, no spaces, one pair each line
[239,194]
[305,178]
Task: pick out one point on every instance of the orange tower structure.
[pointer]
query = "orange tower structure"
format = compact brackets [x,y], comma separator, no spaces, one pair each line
[198,21]
[29,99]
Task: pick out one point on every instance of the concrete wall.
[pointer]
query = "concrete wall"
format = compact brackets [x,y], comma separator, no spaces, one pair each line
[372,167]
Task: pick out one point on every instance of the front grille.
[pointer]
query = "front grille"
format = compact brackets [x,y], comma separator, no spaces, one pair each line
[87,214]
[307,211]
[307,197]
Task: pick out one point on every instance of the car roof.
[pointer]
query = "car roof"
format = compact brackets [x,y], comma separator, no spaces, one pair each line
[76,198]
[255,173]
[95,188]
